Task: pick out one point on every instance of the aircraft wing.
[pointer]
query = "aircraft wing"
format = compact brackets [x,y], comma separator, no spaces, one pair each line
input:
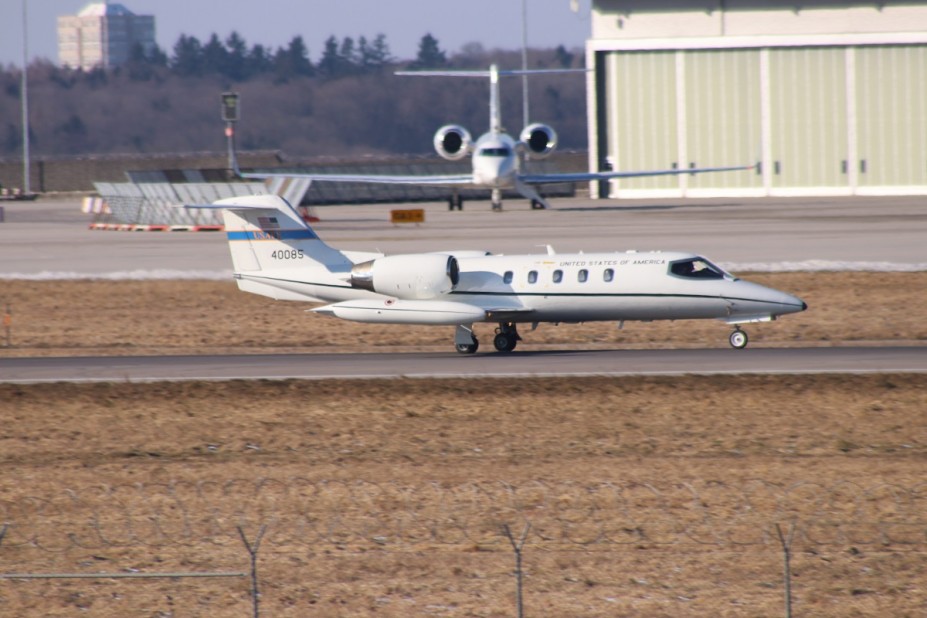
[508,314]
[540,179]
[450,180]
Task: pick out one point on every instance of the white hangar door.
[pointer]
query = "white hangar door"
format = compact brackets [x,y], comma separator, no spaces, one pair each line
[809,145]
[891,111]
[642,119]
[721,97]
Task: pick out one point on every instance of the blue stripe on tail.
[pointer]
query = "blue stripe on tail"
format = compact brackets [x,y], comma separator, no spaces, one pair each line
[306,234]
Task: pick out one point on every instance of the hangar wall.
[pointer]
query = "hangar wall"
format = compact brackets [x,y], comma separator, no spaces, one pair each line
[831,112]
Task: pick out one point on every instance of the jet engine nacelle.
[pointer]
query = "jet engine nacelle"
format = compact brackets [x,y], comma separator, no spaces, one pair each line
[539,140]
[409,277]
[453,142]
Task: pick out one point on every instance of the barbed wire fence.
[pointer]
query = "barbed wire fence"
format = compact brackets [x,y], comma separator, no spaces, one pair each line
[304,514]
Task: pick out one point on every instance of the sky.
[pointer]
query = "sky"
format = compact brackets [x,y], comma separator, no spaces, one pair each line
[273,23]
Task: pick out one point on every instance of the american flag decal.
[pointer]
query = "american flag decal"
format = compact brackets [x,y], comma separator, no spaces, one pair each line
[268,223]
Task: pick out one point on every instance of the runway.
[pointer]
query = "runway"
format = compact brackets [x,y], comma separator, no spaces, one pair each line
[518,364]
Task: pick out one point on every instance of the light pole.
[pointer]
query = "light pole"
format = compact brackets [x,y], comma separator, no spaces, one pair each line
[27,188]
[524,62]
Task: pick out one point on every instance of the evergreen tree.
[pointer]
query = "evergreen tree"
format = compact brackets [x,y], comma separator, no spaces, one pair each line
[236,57]
[138,65]
[430,56]
[293,61]
[215,57]
[564,57]
[347,57]
[328,64]
[373,56]
[258,61]
[188,56]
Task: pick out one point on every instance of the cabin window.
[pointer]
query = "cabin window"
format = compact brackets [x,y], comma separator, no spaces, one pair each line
[696,268]
[608,275]
[582,276]
[558,276]
[508,276]
[532,276]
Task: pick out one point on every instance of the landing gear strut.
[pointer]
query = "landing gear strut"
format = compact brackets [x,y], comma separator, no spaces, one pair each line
[738,339]
[497,200]
[506,337]
[465,341]
[455,201]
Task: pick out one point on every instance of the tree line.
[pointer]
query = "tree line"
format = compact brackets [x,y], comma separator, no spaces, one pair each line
[347,102]
[234,60]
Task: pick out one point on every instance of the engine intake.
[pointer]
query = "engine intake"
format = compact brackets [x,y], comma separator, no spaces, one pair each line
[539,140]
[409,277]
[453,142]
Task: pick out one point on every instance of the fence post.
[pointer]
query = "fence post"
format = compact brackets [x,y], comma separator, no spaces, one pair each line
[786,541]
[253,551]
[518,572]
[8,325]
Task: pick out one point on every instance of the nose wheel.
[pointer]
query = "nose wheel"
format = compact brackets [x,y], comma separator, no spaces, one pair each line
[738,339]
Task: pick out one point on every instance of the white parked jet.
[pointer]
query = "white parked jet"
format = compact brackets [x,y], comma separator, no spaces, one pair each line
[275,253]
[496,156]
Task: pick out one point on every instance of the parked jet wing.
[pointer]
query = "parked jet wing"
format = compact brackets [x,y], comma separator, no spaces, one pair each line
[450,180]
[538,179]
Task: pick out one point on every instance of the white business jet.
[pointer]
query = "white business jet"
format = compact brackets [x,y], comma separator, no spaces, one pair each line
[496,156]
[275,253]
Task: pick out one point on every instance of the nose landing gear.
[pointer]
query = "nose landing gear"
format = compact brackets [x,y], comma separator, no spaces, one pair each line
[738,339]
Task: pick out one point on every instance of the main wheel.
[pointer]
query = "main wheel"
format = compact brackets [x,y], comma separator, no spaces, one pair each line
[505,342]
[738,339]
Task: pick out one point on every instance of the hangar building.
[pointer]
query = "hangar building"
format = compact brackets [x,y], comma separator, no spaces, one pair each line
[828,97]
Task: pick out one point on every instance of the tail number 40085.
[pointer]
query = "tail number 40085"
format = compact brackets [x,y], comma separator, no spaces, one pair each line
[287,254]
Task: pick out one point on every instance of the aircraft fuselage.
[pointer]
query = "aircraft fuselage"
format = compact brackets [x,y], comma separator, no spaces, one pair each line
[570,288]
[495,162]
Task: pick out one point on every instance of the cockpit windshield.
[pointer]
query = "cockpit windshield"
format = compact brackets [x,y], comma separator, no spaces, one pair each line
[696,268]
[502,151]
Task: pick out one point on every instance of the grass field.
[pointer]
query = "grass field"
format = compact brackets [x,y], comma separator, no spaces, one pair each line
[646,496]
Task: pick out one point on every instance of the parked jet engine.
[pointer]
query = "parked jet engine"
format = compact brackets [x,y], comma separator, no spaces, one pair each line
[409,277]
[539,140]
[453,142]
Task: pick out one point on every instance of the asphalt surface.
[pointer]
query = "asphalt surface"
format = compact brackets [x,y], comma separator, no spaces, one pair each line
[452,365]
[50,238]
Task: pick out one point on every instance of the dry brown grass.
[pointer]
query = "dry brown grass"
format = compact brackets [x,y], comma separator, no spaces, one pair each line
[713,435]
[708,437]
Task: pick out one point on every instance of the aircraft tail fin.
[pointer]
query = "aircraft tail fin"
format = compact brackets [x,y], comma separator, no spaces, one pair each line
[266,233]
[494,73]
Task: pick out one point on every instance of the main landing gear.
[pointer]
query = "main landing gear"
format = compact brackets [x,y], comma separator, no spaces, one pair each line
[455,201]
[738,339]
[505,340]
[506,337]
